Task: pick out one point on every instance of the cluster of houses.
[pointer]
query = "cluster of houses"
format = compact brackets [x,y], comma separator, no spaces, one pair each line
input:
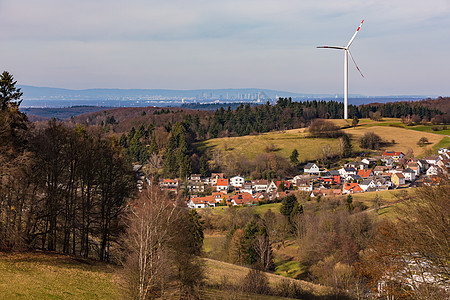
[388,171]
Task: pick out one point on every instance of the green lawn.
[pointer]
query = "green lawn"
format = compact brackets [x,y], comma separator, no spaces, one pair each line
[262,209]
[427,128]
[444,143]
[291,269]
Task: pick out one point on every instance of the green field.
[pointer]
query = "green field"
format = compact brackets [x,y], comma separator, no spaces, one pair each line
[444,143]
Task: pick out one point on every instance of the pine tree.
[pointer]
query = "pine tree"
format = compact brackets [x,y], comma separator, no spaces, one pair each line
[294,157]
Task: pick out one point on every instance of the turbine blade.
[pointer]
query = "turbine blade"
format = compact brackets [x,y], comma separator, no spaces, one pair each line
[332,47]
[353,37]
[355,63]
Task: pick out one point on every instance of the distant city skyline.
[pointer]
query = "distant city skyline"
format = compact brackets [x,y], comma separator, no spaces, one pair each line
[402,48]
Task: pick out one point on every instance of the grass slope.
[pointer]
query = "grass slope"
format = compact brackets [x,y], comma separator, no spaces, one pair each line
[284,143]
[404,138]
[310,149]
[38,275]
[43,275]
[216,270]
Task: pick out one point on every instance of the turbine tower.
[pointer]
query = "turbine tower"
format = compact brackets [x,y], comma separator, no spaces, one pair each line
[346,54]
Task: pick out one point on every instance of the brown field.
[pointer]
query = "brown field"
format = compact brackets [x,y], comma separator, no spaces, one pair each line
[404,138]
[310,149]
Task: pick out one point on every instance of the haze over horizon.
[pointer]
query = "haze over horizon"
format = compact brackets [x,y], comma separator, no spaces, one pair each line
[401,48]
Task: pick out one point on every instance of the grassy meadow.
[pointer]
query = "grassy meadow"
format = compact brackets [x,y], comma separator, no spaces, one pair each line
[43,275]
[284,142]
[310,149]
[39,275]
[404,138]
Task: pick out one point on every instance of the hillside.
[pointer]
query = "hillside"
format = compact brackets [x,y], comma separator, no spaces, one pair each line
[404,138]
[310,149]
[283,143]
[45,275]
[40,275]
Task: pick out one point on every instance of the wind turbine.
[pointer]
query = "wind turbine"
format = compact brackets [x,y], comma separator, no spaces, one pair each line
[346,53]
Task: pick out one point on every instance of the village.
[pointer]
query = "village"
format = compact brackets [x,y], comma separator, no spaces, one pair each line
[391,170]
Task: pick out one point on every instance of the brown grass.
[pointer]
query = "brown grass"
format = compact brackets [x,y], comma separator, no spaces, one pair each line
[285,142]
[218,269]
[404,138]
[39,275]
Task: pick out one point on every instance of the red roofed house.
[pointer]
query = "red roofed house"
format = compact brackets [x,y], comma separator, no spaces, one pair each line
[169,183]
[287,184]
[351,188]
[396,156]
[242,199]
[202,202]
[215,176]
[218,196]
[222,185]
[364,173]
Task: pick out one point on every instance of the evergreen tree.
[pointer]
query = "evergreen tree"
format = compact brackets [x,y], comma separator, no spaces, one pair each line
[10,96]
[294,157]
[204,169]
[347,146]
[288,204]
[153,146]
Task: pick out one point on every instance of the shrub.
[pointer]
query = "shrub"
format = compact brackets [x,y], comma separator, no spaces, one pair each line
[324,129]
[422,141]
[256,282]
[370,140]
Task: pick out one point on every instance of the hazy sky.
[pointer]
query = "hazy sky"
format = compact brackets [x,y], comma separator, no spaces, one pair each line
[402,48]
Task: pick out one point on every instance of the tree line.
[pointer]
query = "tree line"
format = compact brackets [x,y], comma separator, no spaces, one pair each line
[62,188]
[288,114]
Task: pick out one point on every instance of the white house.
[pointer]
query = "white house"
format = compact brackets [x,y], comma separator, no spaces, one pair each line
[259,185]
[368,184]
[433,170]
[304,185]
[311,168]
[202,202]
[246,188]
[415,167]
[237,181]
[195,177]
[272,187]
[443,150]
[357,165]
[222,185]
[369,160]
[345,172]
[432,160]
[396,156]
[409,174]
